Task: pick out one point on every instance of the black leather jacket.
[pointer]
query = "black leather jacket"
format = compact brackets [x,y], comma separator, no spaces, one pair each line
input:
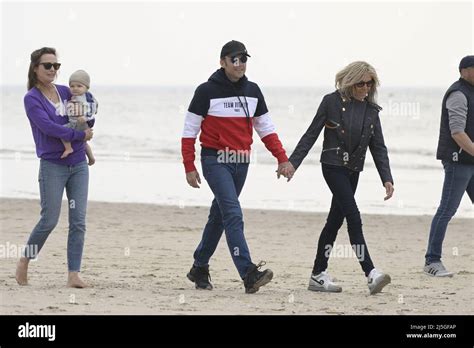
[330,114]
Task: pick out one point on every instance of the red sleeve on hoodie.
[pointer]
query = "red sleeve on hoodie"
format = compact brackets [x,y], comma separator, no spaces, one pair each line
[273,144]
[187,151]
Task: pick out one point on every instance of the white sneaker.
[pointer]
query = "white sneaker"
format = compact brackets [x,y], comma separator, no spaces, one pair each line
[437,269]
[322,282]
[377,281]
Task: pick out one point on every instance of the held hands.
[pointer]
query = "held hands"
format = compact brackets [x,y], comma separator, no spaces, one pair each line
[388,190]
[193,179]
[285,169]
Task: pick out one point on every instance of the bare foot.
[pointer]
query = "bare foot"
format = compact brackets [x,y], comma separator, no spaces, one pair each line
[91,160]
[22,271]
[66,153]
[73,281]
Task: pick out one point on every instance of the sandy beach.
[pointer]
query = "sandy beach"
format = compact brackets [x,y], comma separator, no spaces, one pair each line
[137,256]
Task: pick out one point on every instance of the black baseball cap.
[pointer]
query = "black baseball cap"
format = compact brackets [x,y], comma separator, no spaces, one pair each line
[466,62]
[233,48]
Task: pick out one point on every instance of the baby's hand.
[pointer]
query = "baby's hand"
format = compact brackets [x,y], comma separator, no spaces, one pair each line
[82,119]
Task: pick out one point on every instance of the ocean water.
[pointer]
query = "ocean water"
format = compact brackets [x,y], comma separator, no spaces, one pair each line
[137,146]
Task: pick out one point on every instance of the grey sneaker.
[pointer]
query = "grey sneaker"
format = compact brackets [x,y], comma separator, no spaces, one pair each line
[437,269]
[323,282]
[376,281]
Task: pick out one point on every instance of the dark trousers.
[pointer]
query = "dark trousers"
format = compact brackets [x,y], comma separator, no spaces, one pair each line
[343,184]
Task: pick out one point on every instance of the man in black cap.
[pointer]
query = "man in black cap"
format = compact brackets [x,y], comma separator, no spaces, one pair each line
[225,109]
[456,151]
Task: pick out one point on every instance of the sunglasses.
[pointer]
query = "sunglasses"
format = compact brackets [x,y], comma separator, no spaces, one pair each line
[48,66]
[369,84]
[236,60]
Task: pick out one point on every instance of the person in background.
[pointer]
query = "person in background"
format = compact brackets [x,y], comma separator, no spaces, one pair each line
[456,152]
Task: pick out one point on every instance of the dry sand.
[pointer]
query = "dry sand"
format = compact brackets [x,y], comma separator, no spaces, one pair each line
[137,256]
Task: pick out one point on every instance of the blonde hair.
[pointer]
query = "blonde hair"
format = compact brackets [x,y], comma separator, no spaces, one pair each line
[354,73]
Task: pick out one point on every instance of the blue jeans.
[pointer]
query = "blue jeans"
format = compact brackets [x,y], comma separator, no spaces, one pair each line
[343,184]
[458,178]
[53,178]
[226,181]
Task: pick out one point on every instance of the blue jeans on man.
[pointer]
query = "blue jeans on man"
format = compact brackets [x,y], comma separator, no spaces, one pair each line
[458,178]
[226,181]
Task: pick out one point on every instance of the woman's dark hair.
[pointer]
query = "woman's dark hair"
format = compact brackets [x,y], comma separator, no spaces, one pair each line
[35,60]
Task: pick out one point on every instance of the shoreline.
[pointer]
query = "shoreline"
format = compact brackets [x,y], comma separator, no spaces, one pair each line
[165,183]
[271,210]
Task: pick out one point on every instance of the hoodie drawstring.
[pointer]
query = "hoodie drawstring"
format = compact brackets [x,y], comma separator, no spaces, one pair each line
[244,106]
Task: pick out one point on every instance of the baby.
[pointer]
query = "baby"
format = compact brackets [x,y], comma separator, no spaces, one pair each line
[80,109]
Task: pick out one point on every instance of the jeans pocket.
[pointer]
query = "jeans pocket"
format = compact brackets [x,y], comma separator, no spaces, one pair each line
[448,166]
[207,162]
[82,164]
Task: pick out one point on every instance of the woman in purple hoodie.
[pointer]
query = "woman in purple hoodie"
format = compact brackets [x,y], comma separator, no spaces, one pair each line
[44,106]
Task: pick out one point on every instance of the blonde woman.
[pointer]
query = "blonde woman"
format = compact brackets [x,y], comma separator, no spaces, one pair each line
[350,118]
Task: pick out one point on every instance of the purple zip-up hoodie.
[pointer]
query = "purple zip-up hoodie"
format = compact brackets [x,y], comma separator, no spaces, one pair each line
[48,128]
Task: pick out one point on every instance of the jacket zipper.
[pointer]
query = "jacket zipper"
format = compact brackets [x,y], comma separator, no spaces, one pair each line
[332,149]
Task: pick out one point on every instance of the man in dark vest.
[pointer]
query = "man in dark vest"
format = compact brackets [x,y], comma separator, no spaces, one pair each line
[456,151]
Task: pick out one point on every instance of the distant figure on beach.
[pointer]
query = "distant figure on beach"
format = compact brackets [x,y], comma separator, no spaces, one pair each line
[456,152]
[225,109]
[350,118]
[45,108]
[80,110]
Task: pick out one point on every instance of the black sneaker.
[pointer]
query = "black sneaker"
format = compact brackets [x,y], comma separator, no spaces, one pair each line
[201,277]
[254,278]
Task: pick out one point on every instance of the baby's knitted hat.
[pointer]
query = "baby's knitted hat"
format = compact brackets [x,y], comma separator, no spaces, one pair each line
[82,77]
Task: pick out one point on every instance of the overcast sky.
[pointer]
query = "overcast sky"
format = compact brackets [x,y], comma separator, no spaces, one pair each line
[291,44]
